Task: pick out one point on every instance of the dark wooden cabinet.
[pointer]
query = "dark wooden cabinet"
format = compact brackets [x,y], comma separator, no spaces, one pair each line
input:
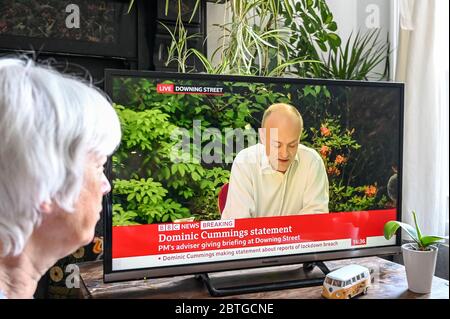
[106,35]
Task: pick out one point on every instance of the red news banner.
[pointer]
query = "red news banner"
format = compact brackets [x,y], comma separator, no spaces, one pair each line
[293,233]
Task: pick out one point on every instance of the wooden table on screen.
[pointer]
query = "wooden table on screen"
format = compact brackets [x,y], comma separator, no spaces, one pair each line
[390,283]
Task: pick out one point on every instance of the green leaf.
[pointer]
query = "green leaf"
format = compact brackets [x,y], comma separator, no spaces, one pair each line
[130,6]
[307,90]
[392,226]
[430,240]
[195,176]
[334,39]
[260,99]
[322,46]
[332,26]
[419,233]
[175,215]
[166,172]
[181,170]
[194,11]
[317,89]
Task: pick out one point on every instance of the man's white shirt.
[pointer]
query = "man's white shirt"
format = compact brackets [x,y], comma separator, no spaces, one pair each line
[257,190]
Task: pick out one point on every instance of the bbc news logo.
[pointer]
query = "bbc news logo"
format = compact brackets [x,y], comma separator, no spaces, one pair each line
[168,227]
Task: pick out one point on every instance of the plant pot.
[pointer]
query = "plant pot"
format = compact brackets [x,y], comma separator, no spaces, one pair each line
[420,266]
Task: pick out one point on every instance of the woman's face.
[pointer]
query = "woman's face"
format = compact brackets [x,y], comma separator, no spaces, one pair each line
[62,232]
[89,205]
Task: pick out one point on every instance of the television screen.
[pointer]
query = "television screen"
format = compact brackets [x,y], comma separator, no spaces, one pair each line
[229,172]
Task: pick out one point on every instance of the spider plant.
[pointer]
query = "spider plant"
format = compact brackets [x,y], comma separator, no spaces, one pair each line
[357,60]
[255,41]
[281,37]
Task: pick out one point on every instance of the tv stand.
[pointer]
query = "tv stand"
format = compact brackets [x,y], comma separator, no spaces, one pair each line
[391,284]
[255,280]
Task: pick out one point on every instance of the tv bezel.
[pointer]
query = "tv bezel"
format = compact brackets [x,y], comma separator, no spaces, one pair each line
[164,271]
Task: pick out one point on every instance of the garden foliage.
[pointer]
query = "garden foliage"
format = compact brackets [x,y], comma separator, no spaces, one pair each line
[154,181]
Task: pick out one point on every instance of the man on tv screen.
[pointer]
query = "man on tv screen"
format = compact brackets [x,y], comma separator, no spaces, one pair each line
[278,176]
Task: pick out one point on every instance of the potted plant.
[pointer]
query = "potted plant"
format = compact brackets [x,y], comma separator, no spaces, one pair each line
[419,256]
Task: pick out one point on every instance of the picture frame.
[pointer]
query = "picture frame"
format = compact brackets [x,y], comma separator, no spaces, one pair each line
[96,28]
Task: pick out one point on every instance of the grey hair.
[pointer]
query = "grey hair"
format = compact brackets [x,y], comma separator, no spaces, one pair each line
[49,122]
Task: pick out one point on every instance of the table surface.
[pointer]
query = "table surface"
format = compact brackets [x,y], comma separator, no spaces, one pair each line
[389,283]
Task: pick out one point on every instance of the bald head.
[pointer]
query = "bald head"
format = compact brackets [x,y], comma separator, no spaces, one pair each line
[282,126]
[284,112]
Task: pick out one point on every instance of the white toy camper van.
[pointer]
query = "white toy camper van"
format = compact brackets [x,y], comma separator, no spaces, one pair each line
[346,282]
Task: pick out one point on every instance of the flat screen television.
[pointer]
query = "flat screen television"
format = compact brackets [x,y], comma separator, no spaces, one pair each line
[181,136]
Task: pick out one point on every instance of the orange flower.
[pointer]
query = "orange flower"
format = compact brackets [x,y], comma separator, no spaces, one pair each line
[325,131]
[332,170]
[371,191]
[325,151]
[340,159]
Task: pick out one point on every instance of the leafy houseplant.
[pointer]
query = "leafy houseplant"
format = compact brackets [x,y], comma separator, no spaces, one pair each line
[278,38]
[423,243]
[419,257]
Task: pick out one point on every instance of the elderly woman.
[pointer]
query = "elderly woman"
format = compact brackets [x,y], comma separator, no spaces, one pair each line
[55,135]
